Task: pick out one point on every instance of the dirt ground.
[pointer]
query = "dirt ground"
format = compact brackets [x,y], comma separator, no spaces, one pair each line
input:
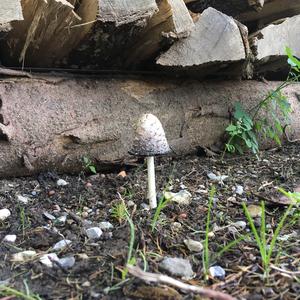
[88,200]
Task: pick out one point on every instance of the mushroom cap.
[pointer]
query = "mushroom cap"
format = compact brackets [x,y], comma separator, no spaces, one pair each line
[150,138]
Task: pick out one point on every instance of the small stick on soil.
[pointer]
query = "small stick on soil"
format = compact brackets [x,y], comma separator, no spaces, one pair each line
[14,73]
[295,273]
[160,278]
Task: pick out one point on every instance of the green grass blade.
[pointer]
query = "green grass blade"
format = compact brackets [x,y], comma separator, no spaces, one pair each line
[259,243]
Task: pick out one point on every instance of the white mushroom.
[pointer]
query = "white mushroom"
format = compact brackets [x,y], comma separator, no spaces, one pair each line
[150,140]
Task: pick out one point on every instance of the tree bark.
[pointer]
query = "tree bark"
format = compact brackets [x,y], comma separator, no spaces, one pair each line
[51,123]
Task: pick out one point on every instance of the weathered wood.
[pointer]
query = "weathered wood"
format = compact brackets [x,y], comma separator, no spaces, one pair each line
[61,120]
[43,36]
[269,45]
[253,13]
[116,27]
[125,11]
[216,38]
[52,29]
[272,10]
[172,22]
[10,10]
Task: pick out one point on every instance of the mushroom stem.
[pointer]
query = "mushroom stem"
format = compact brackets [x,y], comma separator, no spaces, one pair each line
[151,182]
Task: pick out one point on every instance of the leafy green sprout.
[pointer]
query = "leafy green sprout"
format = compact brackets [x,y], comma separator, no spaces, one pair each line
[266,250]
[89,165]
[131,260]
[24,220]
[118,211]
[245,127]
[163,202]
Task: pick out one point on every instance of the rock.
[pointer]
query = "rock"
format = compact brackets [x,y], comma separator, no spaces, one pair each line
[239,190]
[61,245]
[211,234]
[202,191]
[240,224]
[67,262]
[215,178]
[193,245]
[84,214]
[145,206]
[285,237]
[61,182]
[23,256]
[61,220]
[82,256]
[176,226]
[10,238]
[51,193]
[130,203]
[122,174]
[94,233]
[106,225]
[217,272]
[183,197]
[177,267]
[22,199]
[4,214]
[88,185]
[47,259]
[254,211]
[49,216]
[86,284]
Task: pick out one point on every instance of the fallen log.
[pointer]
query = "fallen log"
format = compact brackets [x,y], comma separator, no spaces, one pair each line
[214,43]
[52,123]
[269,44]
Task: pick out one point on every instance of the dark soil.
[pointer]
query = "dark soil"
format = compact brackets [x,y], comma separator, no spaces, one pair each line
[97,270]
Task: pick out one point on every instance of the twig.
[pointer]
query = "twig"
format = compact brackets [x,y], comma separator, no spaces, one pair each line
[160,278]
[295,273]
[14,73]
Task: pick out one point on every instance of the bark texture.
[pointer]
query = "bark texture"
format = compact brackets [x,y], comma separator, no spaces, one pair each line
[43,129]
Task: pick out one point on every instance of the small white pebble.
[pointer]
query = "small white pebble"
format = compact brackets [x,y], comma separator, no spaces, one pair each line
[10,238]
[61,245]
[94,233]
[47,259]
[61,182]
[22,199]
[4,214]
